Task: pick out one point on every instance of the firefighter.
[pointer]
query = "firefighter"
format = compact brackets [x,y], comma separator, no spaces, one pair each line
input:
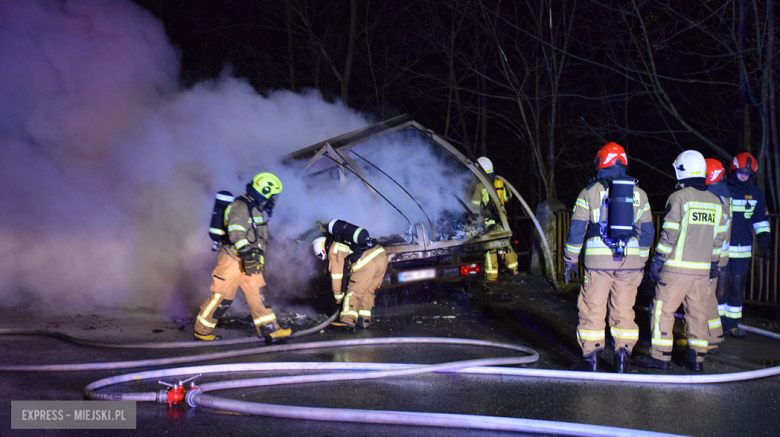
[481,200]
[686,259]
[612,274]
[360,262]
[240,262]
[749,212]
[716,184]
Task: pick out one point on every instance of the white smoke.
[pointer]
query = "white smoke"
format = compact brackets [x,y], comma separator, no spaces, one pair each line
[109,168]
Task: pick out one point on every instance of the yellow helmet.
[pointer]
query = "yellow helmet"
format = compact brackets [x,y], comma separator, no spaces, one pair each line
[267,184]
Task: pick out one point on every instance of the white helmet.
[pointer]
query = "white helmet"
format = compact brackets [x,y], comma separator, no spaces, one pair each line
[319,248]
[690,164]
[486,164]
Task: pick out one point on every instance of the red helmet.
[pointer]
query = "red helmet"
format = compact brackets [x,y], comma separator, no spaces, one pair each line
[609,154]
[715,171]
[744,162]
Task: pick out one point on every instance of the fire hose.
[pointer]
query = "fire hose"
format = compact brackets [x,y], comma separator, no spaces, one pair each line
[195,395]
[162,345]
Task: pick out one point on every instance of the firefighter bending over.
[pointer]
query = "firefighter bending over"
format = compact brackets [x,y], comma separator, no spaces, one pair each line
[357,265]
[686,259]
[613,216]
[240,262]
[481,199]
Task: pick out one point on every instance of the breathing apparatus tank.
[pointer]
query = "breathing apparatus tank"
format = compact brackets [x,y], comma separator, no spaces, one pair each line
[618,205]
[356,238]
[498,184]
[217,230]
[350,234]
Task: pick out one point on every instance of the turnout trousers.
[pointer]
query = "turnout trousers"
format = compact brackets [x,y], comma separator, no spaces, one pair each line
[671,290]
[714,324]
[730,304]
[226,278]
[491,263]
[613,290]
[363,283]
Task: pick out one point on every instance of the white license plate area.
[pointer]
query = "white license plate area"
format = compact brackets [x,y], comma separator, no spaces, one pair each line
[417,275]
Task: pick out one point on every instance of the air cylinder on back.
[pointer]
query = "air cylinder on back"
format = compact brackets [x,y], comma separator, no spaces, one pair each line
[216,229]
[348,233]
[621,209]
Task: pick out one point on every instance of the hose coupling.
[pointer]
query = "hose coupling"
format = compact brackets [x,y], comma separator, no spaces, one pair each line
[162,396]
[176,392]
[190,394]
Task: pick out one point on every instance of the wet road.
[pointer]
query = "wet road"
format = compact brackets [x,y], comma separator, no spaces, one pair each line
[521,311]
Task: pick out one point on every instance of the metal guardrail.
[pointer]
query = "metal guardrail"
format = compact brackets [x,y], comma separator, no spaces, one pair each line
[762,283]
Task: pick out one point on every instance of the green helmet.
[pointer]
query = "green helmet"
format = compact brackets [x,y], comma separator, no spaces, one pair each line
[267,184]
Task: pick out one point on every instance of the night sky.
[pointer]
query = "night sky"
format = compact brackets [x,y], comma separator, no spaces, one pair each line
[538,86]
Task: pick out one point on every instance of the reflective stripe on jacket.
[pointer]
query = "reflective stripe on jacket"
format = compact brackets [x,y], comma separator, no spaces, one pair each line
[724,251]
[693,232]
[246,225]
[585,221]
[748,210]
[337,257]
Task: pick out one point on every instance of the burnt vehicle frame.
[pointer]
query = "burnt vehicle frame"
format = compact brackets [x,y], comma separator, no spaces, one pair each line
[426,258]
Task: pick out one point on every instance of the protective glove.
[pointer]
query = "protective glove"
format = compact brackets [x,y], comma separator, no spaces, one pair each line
[655,268]
[714,270]
[570,268]
[253,261]
[764,241]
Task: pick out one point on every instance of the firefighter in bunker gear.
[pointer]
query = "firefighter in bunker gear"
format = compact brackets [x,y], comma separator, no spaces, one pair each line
[240,263]
[481,201]
[716,184]
[364,267]
[686,258]
[610,281]
[748,209]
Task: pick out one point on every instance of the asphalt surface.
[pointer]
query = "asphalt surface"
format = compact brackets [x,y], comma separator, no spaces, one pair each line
[518,310]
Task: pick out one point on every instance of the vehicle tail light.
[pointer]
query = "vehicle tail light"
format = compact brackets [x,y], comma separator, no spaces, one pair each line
[469,269]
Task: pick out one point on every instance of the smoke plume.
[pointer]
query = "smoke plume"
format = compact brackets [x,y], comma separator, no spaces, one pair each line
[109,168]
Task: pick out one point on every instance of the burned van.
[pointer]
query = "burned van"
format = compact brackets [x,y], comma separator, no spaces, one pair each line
[413,191]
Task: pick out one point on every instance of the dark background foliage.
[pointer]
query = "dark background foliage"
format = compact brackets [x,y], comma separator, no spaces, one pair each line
[537,86]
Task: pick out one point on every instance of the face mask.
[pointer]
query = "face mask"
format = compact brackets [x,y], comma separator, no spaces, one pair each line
[269,205]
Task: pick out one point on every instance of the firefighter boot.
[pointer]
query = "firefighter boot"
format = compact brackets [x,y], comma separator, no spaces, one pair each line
[651,363]
[737,332]
[621,360]
[273,335]
[588,363]
[343,325]
[210,337]
[363,323]
[689,361]
[713,349]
